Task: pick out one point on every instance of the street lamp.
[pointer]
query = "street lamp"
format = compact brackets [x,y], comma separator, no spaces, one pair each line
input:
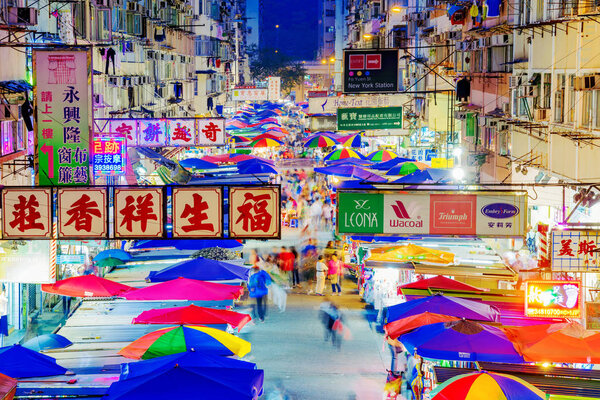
[396,9]
[323,61]
[367,36]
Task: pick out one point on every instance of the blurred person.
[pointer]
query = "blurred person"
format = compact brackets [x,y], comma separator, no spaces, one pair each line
[258,284]
[322,270]
[286,263]
[335,267]
[327,213]
[330,314]
[295,272]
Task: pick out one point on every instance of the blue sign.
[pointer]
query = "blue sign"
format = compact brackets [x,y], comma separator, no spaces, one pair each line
[70,259]
[500,210]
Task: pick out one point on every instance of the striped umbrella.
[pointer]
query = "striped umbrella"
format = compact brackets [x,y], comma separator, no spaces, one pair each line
[352,140]
[343,153]
[381,155]
[320,141]
[239,139]
[406,168]
[266,142]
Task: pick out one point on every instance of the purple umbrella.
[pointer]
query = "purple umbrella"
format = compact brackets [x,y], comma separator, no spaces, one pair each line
[351,171]
[386,165]
[440,304]
[349,161]
[462,341]
[431,175]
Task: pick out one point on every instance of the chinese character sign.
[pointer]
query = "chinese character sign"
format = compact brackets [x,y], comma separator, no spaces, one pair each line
[210,132]
[182,132]
[274,83]
[575,251]
[82,213]
[254,212]
[26,213]
[152,132]
[245,94]
[138,212]
[109,156]
[197,212]
[63,118]
[126,128]
[553,299]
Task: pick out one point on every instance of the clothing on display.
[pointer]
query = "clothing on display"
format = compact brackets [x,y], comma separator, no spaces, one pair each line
[209,103]
[110,55]
[178,90]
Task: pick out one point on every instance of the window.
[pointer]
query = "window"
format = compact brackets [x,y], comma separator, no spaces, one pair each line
[586,108]
[571,101]
[597,108]
[547,91]
[103,28]
[79,19]
[559,99]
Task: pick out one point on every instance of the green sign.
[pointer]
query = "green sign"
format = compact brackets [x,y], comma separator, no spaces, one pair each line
[370,118]
[360,213]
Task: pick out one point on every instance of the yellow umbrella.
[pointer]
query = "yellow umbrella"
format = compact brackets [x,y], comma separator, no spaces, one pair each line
[412,253]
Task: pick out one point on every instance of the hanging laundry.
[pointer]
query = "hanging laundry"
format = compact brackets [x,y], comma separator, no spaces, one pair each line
[209,103]
[463,89]
[110,55]
[218,63]
[27,112]
[493,8]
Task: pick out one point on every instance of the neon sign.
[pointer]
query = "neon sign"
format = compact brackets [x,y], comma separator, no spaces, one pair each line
[109,155]
[553,299]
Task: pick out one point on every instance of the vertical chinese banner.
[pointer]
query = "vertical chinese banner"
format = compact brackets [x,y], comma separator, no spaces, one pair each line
[197,212]
[274,88]
[62,79]
[254,212]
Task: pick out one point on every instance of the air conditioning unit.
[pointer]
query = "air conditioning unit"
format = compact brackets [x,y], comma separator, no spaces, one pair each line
[461,46]
[459,115]
[98,99]
[514,81]
[588,82]
[502,127]
[506,108]
[22,16]
[482,121]
[542,114]
[103,3]
[9,112]
[483,43]
[500,40]
[132,6]
[492,123]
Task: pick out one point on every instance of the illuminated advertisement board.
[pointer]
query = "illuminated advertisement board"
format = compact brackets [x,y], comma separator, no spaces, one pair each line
[553,299]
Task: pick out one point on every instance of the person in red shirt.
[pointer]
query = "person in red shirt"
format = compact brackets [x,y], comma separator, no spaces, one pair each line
[286,262]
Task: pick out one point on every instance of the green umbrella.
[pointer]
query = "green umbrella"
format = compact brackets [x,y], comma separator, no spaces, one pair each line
[109,262]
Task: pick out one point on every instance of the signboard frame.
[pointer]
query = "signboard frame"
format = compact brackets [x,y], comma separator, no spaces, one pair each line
[349,119]
[580,299]
[388,65]
[576,249]
[59,233]
[221,219]
[47,236]
[277,190]
[161,218]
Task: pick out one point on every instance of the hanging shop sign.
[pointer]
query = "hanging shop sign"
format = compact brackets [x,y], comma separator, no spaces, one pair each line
[140,212]
[494,214]
[62,99]
[70,259]
[553,299]
[250,94]
[330,105]
[370,71]
[575,250]
[592,316]
[274,87]
[255,212]
[109,156]
[26,261]
[350,119]
[317,93]
[165,132]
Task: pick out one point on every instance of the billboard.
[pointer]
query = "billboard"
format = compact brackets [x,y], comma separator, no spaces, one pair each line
[274,86]
[370,71]
[494,214]
[250,94]
[330,105]
[350,119]
[63,137]
[575,250]
[255,212]
[553,299]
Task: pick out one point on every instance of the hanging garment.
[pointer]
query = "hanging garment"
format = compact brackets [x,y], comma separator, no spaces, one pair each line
[209,103]
[493,8]
[218,63]
[110,55]
[130,97]
[228,67]
[159,34]
[27,112]
[178,90]
[463,89]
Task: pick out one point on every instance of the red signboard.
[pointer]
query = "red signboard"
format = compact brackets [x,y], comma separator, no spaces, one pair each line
[317,93]
[357,61]
[373,61]
[138,213]
[553,299]
[197,212]
[452,214]
[27,213]
[83,213]
[255,212]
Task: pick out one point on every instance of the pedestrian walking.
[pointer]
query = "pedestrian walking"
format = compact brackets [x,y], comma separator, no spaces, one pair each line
[295,272]
[258,284]
[322,271]
[331,317]
[286,263]
[335,267]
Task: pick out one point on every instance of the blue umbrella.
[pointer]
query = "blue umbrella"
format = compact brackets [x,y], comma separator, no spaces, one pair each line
[256,168]
[19,362]
[461,341]
[185,359]
[202,269]
[445,305]
[386,165]
[351,171]
[354,184]
[197,163]
[113,253]
[47,342]
[186,382]
[188,244]
[430,175]
[350,161]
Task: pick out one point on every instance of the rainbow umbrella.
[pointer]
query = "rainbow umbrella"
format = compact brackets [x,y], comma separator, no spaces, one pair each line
[382,155]
[485,385]
[179,339]
[406,168]
[320,141]
[352,140]
[239,139]
[265,142]
[343,153]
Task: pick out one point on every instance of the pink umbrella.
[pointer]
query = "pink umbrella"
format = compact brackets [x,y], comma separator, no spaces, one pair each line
[186,289]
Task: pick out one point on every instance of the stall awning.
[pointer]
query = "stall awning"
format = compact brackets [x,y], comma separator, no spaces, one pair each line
[18,86]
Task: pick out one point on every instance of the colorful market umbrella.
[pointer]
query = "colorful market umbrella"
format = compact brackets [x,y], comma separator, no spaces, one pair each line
[188,244]
[178,339]
[256,168]
[441,282]
[113,253]
[461,341]
[17,361]
[239,139]
[350,171]
[109,262]
[382,155]
[265,143]
[404,325]
[186,289]
[202,269]
[86,286]
[320,141]
[192,315]
[273,135]
[343,153]
[430,175]
[483,385]
[197,163]
[406,168]
[411,252]
[8,387]
[445,305]
[227,158]
[352,140]
[351,161]
[47,342]
[386,165]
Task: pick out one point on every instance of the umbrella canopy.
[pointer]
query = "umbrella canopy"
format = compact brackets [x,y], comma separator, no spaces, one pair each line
[441,282]
[382,155]
[404,325]
[461,341]
[343,153]
[485,385]
[113,253]
[256,168]
[265,143]
[186,289]
[566,342]
[320,141]
[350,171]
[192,315]
[202,269]
[227,158]
[273,135]
[186,359]
[186,382]
[386,165]
[185,338]
[351,161]
[47,342]
[19,362]
[406,168]
[430,175]
[440,304]
[412,253]
[188,244]
[197,163]
[8,387]
[109,262]
[240,139]
[86,286]
[352,140]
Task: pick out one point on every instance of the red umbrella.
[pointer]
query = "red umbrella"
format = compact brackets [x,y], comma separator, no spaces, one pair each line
[8,387]
[441,282]
[186,289]
[227,158]
[401,326]
[277,136]
[192,315]
[86,286]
